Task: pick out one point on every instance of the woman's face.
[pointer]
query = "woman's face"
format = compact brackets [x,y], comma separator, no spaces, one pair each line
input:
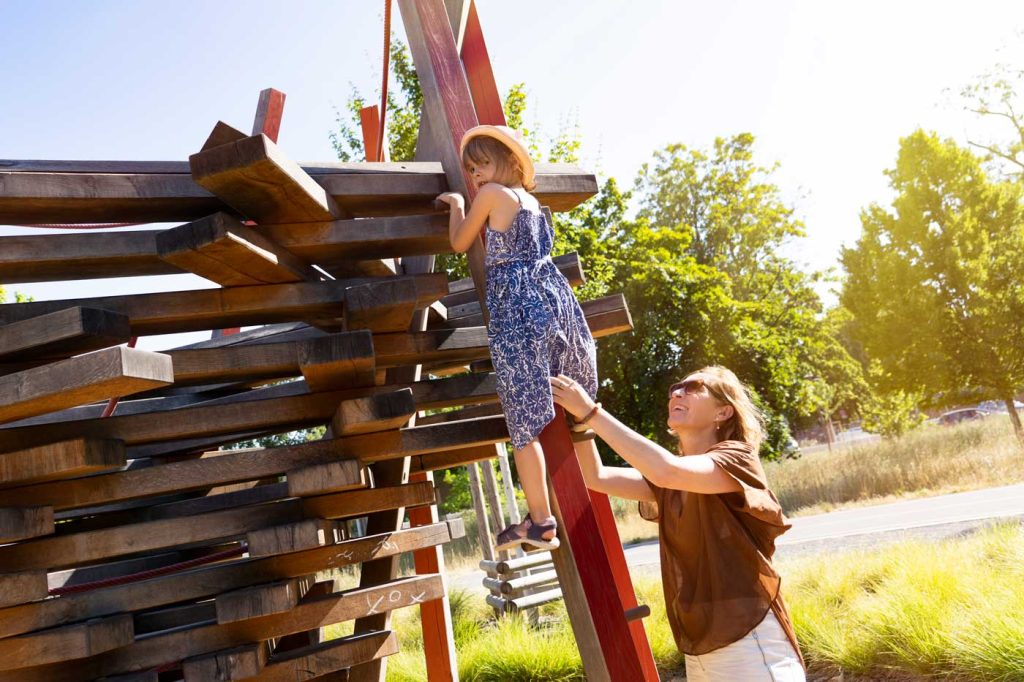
[692,407]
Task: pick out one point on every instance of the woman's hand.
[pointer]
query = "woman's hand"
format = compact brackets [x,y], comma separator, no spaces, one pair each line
[453,199]
[571,396]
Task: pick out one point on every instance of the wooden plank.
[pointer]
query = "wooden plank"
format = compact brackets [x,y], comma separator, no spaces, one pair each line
[451,458]
[337,655]
[258,180]
[335,245]
[91,546]
[223,250]
[388,306]
[328,477]
[337,361]
[212,580]
[333,361]
[198,310]
[292,537]
[87,378]
[19,523]
[262,600]
[243,662]
[66,459]
[329,243]
[173,646]
[269,110]
[62,334]
[579,529]
[67,643]
[22,587]
[447,102]
[380,412]
[623,583]
[125,191]
[222,133]
[257,412]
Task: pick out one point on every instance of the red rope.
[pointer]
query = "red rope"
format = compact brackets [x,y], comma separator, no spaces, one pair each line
[384,79]
[112,403]
[151,573]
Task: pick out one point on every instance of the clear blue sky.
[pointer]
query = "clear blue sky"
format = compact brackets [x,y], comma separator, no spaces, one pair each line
[828,89]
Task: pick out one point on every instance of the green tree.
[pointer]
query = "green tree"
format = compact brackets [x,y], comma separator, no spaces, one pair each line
[934,283]
[706,283]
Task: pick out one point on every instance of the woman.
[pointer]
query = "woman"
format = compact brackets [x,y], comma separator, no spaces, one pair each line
[717,524]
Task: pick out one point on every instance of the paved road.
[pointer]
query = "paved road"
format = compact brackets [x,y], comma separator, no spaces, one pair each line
[864,527]
[927,517]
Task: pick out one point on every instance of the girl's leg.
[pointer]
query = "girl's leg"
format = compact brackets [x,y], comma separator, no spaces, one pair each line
[533,477]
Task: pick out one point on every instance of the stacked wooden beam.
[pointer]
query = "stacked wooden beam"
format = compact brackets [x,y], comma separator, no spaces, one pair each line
[146,545]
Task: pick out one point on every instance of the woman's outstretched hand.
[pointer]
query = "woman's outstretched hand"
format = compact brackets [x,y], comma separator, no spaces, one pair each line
[571,396]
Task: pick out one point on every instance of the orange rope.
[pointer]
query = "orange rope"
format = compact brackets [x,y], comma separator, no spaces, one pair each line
[384,79]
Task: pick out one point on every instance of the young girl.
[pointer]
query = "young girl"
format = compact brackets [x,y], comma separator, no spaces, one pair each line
[537,329]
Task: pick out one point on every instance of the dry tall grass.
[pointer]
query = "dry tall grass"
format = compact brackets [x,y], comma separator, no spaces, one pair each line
[929,461]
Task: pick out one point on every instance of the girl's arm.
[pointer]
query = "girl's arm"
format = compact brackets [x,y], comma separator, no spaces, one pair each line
[695,473]
[462,228]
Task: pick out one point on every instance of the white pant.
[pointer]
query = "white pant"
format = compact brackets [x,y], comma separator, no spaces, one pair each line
[765,654]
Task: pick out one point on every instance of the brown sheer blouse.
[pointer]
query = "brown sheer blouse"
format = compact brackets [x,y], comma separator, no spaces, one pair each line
[716,555]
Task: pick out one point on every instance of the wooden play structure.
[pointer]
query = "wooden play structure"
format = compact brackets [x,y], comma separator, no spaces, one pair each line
[136,545]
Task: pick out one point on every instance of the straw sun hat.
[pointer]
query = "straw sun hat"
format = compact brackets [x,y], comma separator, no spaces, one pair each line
[511,138]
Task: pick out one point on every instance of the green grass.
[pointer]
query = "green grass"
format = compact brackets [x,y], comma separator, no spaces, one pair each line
[919,611]
[931,460]
[954,608]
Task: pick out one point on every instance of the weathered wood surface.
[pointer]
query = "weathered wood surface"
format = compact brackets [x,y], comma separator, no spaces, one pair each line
[240,663]
[22,587]
[270,410]
[258,180]
[223,250]
[173,646]
[62,334]
[67,459]
[262,600]
[319,660]
[83,379]
[126,191]
[198,310]
[335,245]
[212,580]
[68,643]
[378,412]
[72,549]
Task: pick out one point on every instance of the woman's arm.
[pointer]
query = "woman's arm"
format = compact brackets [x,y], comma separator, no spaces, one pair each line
[695,473]
[625,482]
[462,228]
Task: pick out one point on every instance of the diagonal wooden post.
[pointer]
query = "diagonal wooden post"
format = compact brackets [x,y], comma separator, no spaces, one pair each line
[453,104]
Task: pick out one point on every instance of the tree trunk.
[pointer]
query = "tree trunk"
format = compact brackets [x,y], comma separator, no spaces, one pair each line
[1015,419]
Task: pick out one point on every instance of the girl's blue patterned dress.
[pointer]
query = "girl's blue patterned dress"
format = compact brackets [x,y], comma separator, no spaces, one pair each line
[537,329]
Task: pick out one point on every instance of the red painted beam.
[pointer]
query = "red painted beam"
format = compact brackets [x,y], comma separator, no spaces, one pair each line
[369,122]
[590,551]
[269,111]
[479,73]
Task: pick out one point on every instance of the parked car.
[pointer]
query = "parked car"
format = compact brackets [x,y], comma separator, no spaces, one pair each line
[963,415]
[999,406]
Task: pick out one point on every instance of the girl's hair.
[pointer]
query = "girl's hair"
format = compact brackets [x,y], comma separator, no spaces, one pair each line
[746,423]
[507,170]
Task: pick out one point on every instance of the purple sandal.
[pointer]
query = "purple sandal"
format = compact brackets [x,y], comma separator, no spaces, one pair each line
[529,534]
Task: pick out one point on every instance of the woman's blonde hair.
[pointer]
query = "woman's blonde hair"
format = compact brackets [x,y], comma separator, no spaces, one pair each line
[746,423]
[507,170]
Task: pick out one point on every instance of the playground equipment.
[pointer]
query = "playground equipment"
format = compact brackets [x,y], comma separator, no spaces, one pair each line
[137,547]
